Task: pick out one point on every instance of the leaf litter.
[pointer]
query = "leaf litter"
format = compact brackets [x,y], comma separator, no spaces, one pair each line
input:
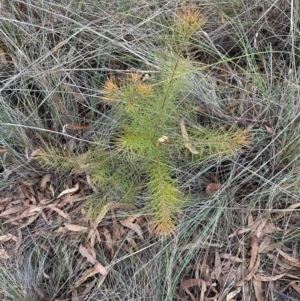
[33,202]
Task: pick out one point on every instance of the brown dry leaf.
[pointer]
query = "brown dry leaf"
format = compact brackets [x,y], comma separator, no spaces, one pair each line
[218,268]
[250,275]
[85,253]
[70,190]
[212,188]
[239,232]
[75,228]
[115,227]
[295,286]
[232,294]
[271,278]
[3,150]
[293,261]
[60,212]
[34,154]
[186,139]
[231,257]
[259,230]
[60,230]
[264,244]
[12,210]
[31,220]
[270,228]
[194,282]
[71,199]
[99,268]
[284,265]
[108,240]
[271,248]
[130,222]
[3,254]
[191,282]
[133,244]
[257,287]
[7,237]
[3,59]
[254,252]
[269,129]
[26,213]
[46,178]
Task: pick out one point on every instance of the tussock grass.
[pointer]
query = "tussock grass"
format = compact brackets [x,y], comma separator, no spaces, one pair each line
[74,84]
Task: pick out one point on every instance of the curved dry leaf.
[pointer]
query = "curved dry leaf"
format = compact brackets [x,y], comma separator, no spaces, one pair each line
[250,275]
[85,253]
[46,178]
[75,228]
[60,212]
[133,244]
[191,282]
[271,278]
[70,190]
[186,139]
[232,294]
[269,129]
[293,261]
[131,224]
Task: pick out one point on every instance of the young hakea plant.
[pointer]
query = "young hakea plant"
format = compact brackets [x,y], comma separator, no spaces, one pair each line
[151,133]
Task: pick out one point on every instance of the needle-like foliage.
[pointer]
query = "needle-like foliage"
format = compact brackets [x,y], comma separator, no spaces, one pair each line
[151,134]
